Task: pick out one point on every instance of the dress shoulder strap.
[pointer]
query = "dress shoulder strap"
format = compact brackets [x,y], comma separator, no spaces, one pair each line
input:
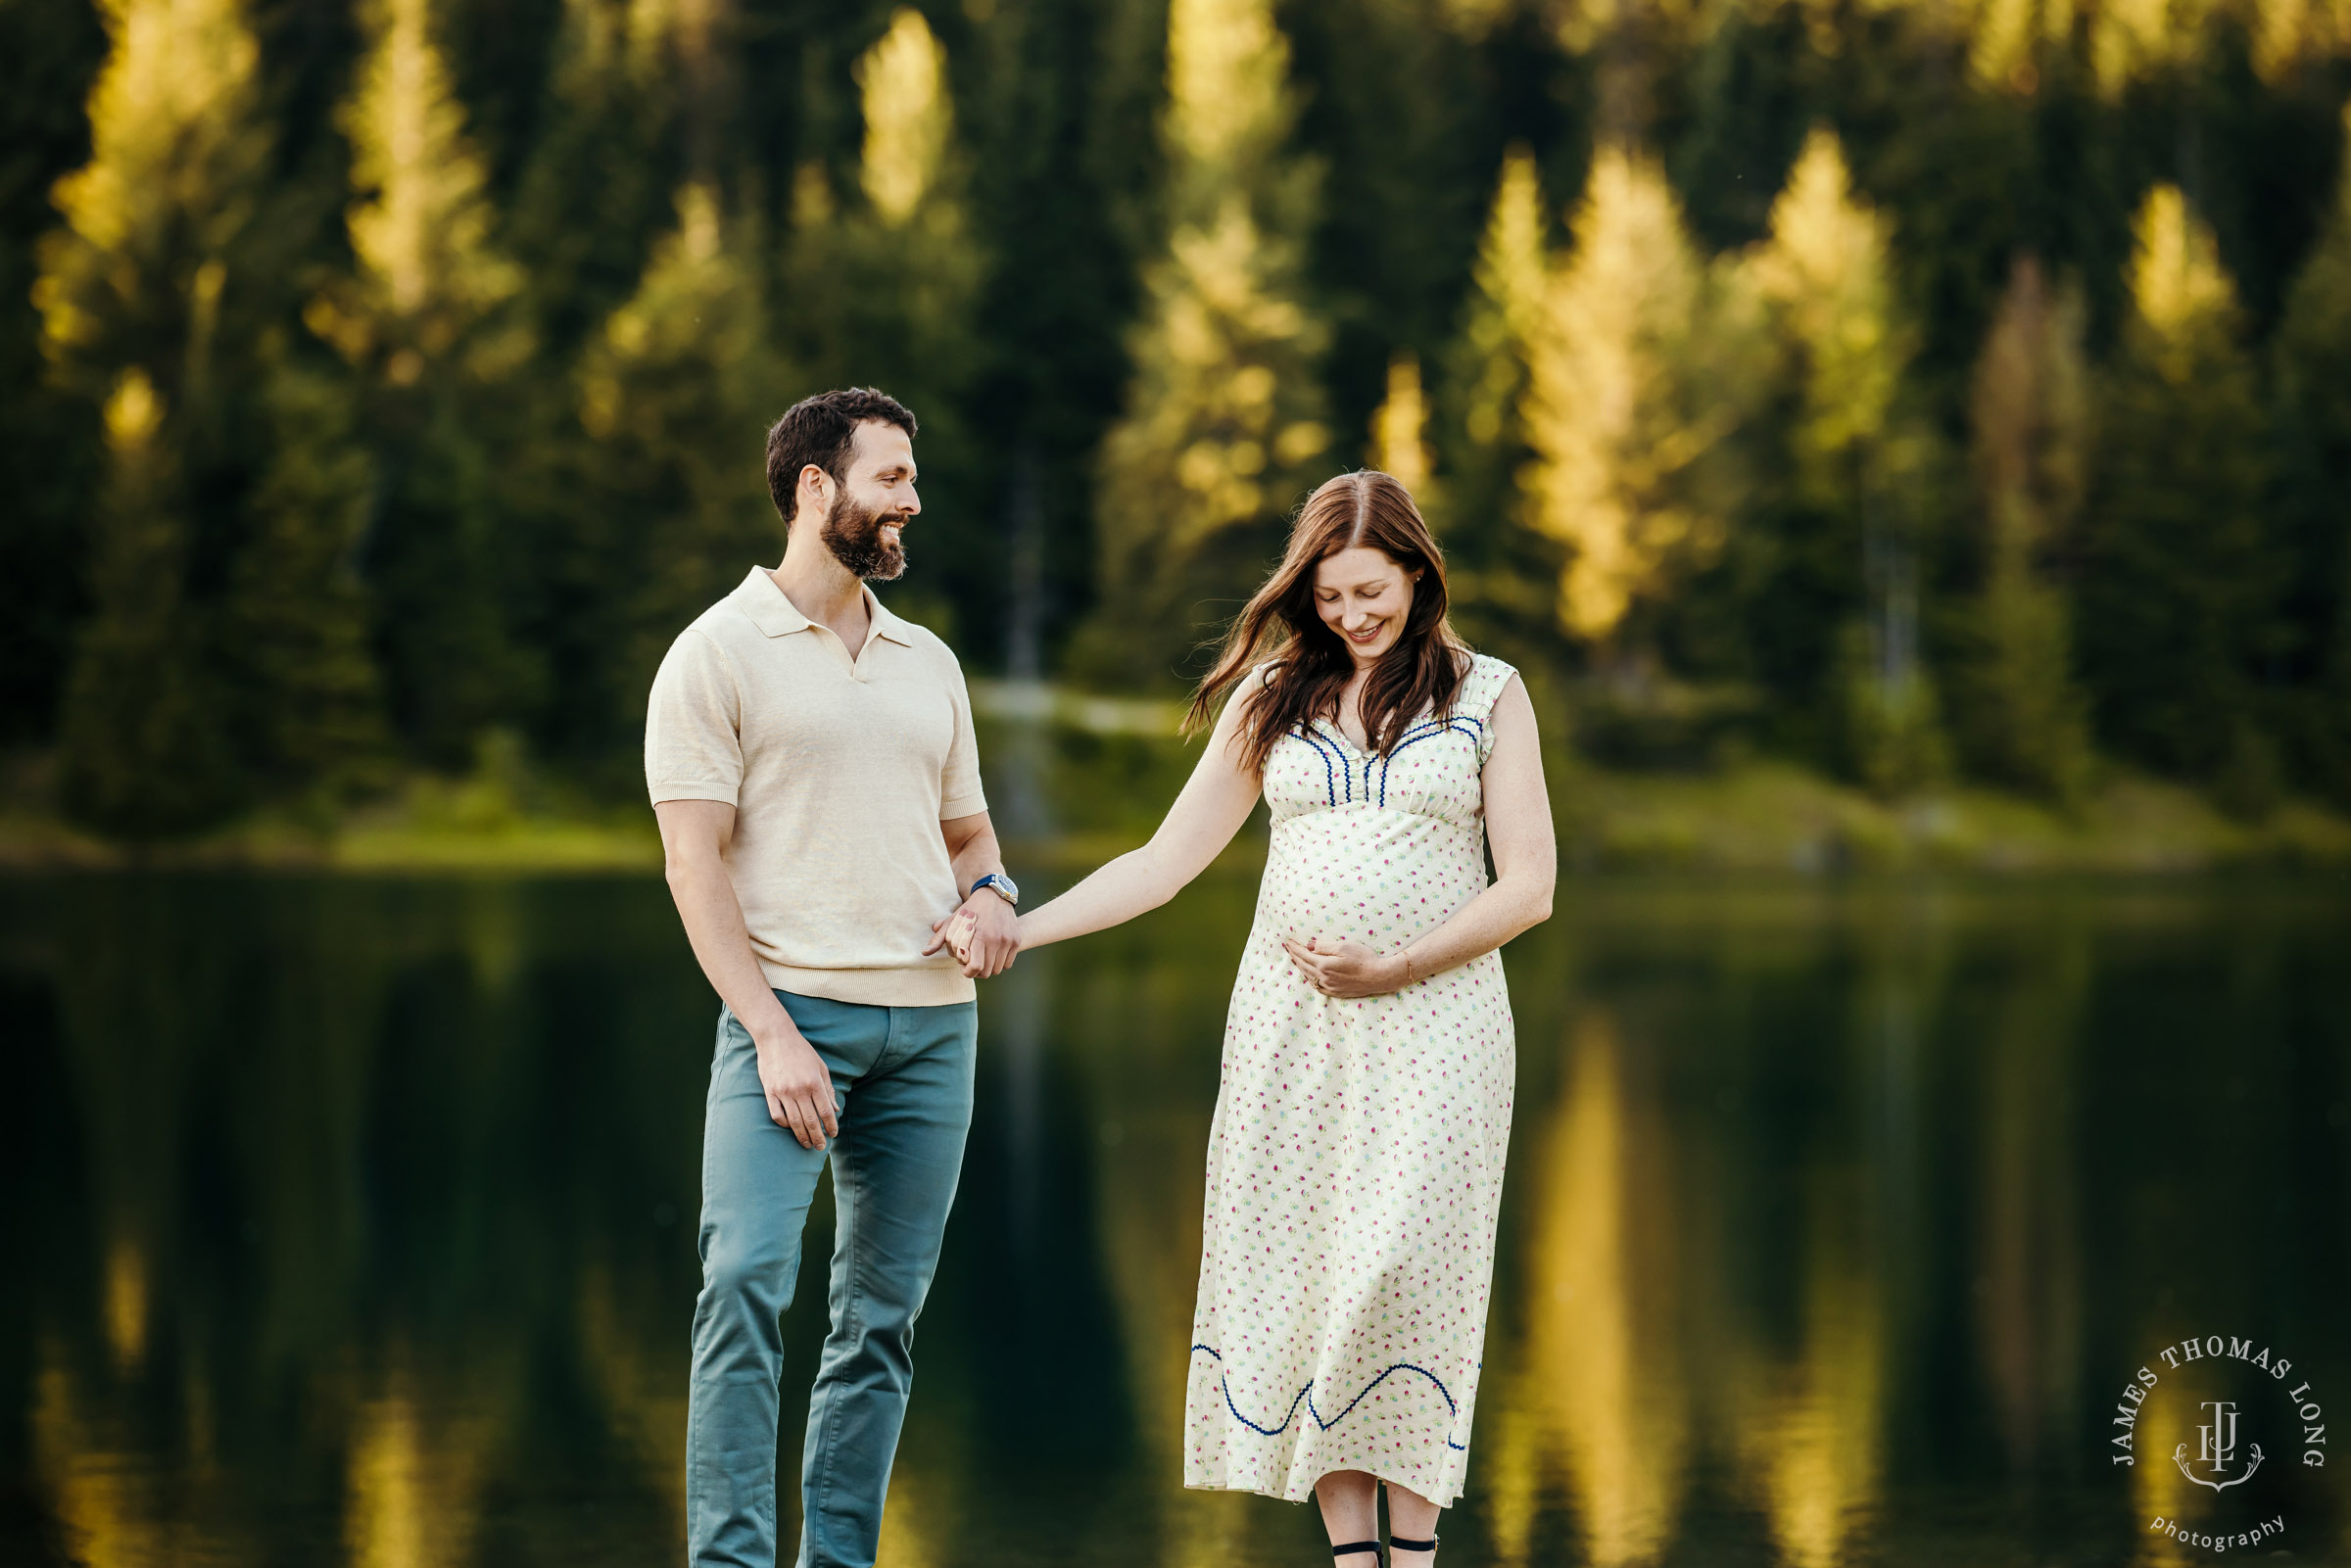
[1481,689]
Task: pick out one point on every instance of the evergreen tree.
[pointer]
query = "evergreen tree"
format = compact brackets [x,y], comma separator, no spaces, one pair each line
[145,755]
[144,297]
[426,318]
[1625,418]
[1399,445]
[1505,573]
[2314,395]
[2025,721]
[305,704]
[2289,34]
[1056,93]
[1223,426]
[672,396]
[2180,577]
[50,50]
[884,293]
[1856,457]
[594,194]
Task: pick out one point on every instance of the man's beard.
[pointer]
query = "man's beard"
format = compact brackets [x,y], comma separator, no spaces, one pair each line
[853,533]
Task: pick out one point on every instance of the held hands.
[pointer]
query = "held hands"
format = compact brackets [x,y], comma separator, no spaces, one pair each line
[983,934]
[1346,968]
[798,1087]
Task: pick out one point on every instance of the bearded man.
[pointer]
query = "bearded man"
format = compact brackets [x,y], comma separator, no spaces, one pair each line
[812,761]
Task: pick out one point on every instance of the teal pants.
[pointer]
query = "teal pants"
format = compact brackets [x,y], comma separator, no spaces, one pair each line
[902,1079]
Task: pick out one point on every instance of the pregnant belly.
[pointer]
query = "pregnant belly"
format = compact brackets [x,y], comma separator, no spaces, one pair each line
[1380,877]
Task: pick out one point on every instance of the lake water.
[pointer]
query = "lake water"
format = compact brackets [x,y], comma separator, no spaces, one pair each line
[351,1222]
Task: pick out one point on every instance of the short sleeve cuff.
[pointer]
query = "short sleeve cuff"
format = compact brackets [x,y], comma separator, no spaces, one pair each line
[966,806]
[692,790]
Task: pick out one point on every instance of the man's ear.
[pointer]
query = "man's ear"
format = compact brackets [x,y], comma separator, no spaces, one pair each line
[816,485]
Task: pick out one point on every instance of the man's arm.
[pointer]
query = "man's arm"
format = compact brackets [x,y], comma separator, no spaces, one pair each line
[995,938]
[694,837]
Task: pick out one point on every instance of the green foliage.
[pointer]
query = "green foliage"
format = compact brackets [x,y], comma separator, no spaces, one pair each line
[1224,427]
[884,289]
[428,320]
[1857,459]
[671,397]
[2181,569]
[2314,406]
[2024,718]
[1504,573]
[385,382]
[49,50]
[303,700]
[145,754]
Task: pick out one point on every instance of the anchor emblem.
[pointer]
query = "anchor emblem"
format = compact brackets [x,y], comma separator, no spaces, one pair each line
[2218,1448]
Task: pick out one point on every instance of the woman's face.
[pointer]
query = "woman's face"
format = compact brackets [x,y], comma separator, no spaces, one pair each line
[1364,598]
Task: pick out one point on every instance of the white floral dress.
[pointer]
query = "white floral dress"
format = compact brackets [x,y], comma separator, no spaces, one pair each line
[1354,1163]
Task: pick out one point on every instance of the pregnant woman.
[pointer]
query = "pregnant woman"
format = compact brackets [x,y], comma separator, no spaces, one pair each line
[1354,1163]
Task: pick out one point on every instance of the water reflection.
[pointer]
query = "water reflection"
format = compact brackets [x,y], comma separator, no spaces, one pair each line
[353,1225]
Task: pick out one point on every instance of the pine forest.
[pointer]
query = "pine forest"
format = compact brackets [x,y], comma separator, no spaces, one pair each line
[1924,394]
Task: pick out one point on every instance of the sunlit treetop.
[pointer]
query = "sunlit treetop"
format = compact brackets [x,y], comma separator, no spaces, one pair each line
[422,225]
[2178,290]
[1398,446]
[1610,409]
[1827,270]
[908,115]
[1226,64]
[175,153]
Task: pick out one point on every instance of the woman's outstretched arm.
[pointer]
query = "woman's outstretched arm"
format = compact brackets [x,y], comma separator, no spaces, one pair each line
[1527,863]
[1216,801]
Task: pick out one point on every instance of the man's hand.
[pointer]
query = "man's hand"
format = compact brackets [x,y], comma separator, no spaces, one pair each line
[982,933]
[1345,969]
[798,1087]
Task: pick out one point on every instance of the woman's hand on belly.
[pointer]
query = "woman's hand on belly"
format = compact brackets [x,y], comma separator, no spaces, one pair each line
[1338,967]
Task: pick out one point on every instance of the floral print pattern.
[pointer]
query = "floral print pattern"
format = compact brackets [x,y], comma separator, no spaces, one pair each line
[1355,1165]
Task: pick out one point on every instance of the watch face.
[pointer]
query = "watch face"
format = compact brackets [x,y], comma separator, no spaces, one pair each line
[999,879]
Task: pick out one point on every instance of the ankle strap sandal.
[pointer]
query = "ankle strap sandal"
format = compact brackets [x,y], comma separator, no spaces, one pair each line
[1354,1546]
[1398,1544]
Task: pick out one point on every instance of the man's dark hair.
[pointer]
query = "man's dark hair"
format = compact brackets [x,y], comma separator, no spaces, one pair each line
[822,430]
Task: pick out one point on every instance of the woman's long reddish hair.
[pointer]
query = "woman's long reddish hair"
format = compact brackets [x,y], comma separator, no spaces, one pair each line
[1422,672]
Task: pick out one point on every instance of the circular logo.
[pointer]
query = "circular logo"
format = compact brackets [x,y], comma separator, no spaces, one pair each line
[2219,1431]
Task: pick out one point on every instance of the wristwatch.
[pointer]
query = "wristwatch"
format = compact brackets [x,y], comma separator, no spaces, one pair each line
[1005,888]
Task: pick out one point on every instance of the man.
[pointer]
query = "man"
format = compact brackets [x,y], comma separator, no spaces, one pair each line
[810,759]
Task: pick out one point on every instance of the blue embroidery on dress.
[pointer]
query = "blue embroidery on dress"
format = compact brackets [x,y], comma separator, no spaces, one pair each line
[1422,732]
[1330,782]
[1305,1396]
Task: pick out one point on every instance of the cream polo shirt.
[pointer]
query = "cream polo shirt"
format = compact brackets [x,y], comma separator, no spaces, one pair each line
[839,772]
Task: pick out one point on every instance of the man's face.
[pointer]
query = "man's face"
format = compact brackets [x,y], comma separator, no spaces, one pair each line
[876,500]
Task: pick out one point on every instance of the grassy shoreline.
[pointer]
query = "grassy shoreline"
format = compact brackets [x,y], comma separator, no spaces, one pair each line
[1101,795]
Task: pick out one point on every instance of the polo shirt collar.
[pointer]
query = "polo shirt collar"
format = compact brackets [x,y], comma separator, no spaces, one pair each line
[776,616]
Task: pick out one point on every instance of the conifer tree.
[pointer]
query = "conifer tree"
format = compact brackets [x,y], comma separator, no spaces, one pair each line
[305,704]
[1856,457]
[2025,721]
[2180,577]
[144,297]
[1504,573]
[1223,426]
[426,318]
[2314,395]
[1399,446]
[674,395]
[49,445]
[592,199]
[1626,425]
[145,756]
[883,290]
